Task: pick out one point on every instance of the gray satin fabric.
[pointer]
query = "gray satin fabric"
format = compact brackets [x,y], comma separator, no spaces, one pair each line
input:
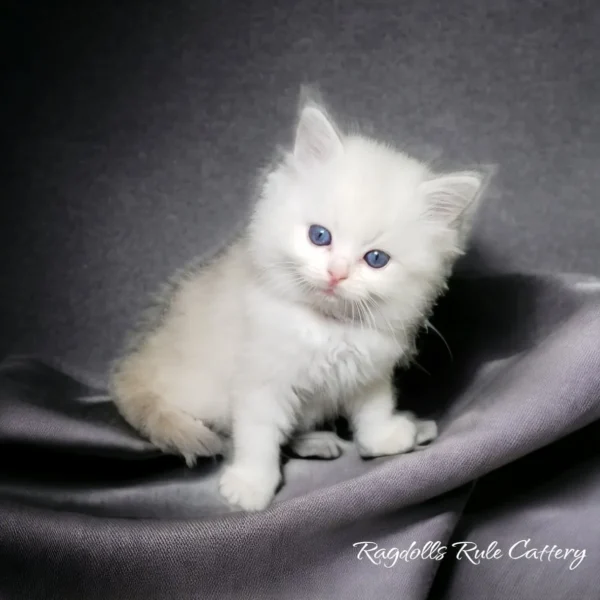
[131,136]
[95,503]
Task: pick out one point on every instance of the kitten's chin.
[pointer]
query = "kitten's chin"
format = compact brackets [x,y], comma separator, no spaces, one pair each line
[317,295]
[329,302]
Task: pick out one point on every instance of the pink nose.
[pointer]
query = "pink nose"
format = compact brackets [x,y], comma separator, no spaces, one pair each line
[336,275]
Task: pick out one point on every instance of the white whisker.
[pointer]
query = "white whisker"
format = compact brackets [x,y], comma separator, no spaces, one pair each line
[372,323]
[427,325]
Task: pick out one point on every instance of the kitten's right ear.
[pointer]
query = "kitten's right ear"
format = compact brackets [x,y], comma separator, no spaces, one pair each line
[317,139]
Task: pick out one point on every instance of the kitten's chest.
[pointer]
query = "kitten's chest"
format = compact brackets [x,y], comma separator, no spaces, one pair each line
[337,358]
[316,355]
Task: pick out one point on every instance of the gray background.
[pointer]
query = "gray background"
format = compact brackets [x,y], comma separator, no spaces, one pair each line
[132,134]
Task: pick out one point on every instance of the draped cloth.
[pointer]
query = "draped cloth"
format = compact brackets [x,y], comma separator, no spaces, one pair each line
[88,509]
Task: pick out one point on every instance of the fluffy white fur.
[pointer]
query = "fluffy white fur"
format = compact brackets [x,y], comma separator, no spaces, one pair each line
[252,345]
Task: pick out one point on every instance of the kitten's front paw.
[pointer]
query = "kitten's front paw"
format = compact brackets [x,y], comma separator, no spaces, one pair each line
[427,431]
[247,488]
[396,436]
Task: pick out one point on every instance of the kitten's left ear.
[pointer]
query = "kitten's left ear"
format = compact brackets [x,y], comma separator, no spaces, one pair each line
[453,198]
[317,139]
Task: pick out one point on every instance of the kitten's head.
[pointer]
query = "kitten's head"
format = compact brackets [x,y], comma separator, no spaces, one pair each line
[345,222]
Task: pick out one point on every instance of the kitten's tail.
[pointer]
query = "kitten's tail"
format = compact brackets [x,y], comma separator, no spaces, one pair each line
[169,428]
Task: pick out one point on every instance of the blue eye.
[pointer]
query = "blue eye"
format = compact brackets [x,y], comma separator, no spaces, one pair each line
[319,236]
[377,259]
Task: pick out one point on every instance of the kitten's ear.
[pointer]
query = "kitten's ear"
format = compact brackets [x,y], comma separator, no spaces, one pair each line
[317,139]
[453,198]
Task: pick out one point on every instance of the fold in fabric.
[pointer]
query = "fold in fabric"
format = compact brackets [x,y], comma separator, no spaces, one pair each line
[90,510]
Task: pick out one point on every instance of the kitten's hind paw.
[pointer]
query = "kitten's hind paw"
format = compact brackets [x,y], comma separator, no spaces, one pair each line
[317,444]
[176,432]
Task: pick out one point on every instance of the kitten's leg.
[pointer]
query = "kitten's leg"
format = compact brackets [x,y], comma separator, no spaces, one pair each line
[261,424]
[378,429]
[317,444]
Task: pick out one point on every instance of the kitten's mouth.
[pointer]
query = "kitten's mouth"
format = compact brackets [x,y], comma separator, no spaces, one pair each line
[322,293]
[329,292]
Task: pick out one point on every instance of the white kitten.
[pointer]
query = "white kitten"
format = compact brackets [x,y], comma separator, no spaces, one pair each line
[305,315]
